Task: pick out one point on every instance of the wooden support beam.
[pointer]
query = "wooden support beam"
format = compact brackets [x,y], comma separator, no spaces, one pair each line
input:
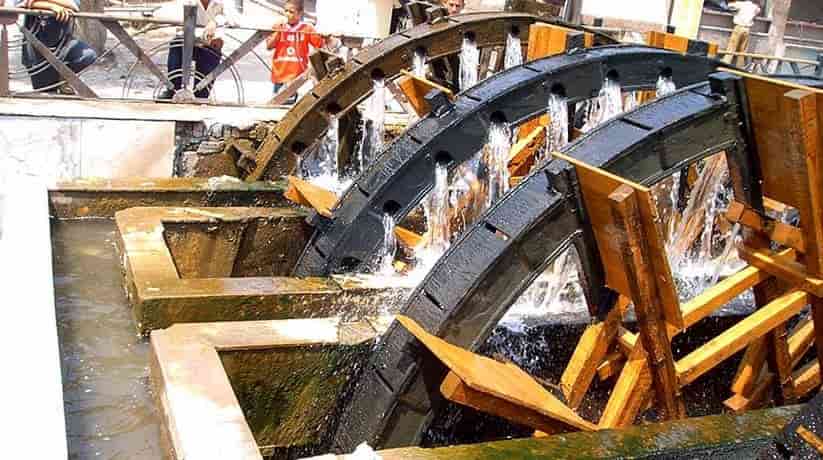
[720,294]
[626,340]
[118,31]
[415,89]
[750,368]
[740,402]
[636,246]
[779,232]
[612,365]
[781,363]
[495,380]
[810,438]
[588,355]
[783,267]
[800,340]
[323,201]
[629,393]
[806,379]
[756,325]
[457,391]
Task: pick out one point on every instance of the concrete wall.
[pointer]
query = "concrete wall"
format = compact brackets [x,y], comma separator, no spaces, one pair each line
[59,148]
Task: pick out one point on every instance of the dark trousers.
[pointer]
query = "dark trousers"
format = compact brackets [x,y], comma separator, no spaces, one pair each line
[291,100]
[205,60]
[76,54]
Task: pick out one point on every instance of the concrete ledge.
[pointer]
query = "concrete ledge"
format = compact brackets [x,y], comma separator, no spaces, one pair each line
[726,436]
[198,284]
[102,198]
[290,403]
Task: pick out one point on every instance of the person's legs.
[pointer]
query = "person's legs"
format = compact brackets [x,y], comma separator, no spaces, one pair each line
[174,63]
[743,45]
[205,59]
[50,33]
[731,47]
[79,55]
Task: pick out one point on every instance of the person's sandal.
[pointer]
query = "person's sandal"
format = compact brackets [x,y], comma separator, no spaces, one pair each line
[66,90]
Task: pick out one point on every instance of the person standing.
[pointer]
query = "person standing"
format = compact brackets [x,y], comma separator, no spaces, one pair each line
[746,11]
[208,45]
[290,42]
[56,33]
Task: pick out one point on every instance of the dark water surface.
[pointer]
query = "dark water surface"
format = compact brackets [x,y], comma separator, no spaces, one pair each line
[109,409]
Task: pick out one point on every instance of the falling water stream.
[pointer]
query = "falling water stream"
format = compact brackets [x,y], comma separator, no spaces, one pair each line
[514,51]
[494,170]
[419,63]
[665,86]
[469,62]
[374,123]
[385,266]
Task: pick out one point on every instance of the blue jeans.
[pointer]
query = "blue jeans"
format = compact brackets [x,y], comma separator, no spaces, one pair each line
[205,60]
[76,54]
[278,87]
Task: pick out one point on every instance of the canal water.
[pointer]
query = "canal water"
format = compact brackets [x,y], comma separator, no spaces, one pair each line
[109,409]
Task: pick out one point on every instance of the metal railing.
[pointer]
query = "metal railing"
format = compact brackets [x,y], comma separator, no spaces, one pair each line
[191,82]
[765,64]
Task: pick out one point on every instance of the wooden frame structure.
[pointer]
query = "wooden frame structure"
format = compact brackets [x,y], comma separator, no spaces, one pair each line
[786,149]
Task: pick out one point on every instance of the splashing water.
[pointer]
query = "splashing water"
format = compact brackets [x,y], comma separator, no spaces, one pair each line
[469,62]
[385,262]
[494,175]
[436,209]
[665,86]
[373,127]
[609,104]
[557,133]
[323,171]
[419,64]
[514,51]
[630,102]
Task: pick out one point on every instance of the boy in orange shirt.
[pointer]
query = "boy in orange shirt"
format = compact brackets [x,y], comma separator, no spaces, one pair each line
[291,46]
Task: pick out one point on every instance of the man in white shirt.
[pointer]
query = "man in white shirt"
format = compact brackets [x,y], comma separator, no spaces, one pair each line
[746,11]
[454,6]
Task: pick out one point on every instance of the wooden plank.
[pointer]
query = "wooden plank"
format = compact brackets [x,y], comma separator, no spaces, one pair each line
[810,438]
[783,267]
[612,365]
[806,379]
[638,248]
[720,294]
[750,368]
[457,391]
[780,363]
[779,232]
[118,31]
[803,120]
[801,339]
[504,381]
[522,154]
[597,185]
[323,201]
[549,40]
[68,75]
[626,340]
[624,402]
[734,339]
[757,399]
[415,89]
[591,349]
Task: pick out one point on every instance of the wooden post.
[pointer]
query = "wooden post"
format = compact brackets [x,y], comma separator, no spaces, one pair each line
[641,275]
[802,120]
[4,61]
[189,26]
